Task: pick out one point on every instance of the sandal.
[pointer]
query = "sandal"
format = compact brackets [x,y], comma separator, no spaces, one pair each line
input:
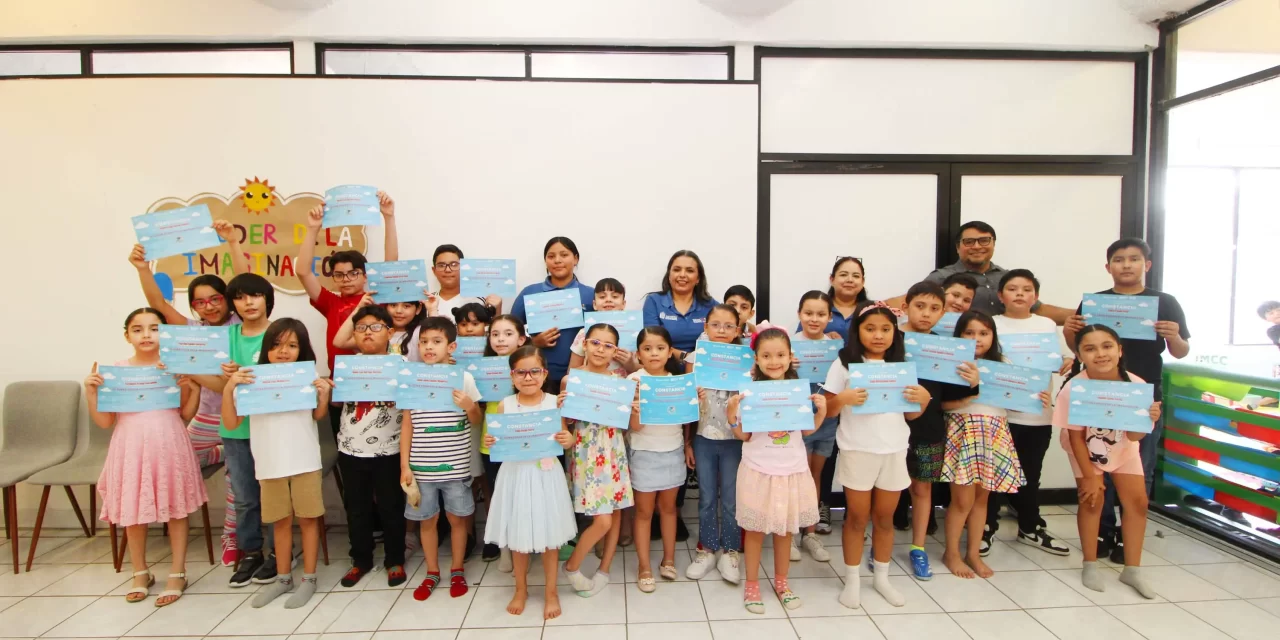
[176,594]
[646,583]
[141,592]
[667,571]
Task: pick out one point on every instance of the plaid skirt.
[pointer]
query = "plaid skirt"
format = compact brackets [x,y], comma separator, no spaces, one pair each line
[980,451]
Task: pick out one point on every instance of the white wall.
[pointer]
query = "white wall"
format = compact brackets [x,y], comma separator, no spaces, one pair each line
[1037,24]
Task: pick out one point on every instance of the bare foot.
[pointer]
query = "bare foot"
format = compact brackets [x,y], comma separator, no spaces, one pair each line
[979,566]
[516,606]
[957,567]
[552,610]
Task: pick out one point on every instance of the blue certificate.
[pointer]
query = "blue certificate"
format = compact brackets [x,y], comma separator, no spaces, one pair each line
[482,278]
[936,357]
[776,405]
[884,382]
[351,204]
[176,231]
[1034,350]
[1130,316]
[947,325]
[815,357]
[1012,387]
[470,348]
[366,378]
[725,367]
[668,400]
[399,281]
[428,387]
[137,389]
[492,376]
[194,350]
[1123,406]
[628,324]
[601,399]
[560,309]
[278,388]
[524,436]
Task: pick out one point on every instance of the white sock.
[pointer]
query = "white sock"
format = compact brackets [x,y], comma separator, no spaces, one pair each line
[880,580]
[850,597]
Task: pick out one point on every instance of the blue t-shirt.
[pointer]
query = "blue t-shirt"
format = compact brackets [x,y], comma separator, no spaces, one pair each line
[557,356]
[660,311]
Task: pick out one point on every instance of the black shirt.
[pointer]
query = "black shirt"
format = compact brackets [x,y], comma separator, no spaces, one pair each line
[930,427]
[1273,332]
[1142,357]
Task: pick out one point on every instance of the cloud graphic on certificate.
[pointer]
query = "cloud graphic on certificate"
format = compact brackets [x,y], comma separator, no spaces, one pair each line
[1089,303]
[108,376]
[1078,388]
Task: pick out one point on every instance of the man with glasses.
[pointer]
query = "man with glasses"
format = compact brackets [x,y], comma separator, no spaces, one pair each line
[445,263]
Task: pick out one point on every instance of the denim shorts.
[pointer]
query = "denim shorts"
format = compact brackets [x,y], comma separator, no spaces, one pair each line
[823,441]
[455,494]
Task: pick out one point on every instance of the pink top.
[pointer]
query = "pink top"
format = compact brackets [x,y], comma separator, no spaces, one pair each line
[1109,449]
[777,453]
[210,400]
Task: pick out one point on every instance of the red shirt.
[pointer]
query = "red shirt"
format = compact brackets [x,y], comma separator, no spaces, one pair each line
[335,308]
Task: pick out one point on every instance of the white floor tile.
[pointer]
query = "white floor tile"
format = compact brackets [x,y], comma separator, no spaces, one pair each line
[1002,625]
[5,603]
[917,600]
[1060,526]
[363,635]
[1036,590]
[494,578]
[752,630]
[723,601]
[1175,584]
[1084,624]
[193,615]
[673,630]
[46,545]
[607,607]
[326,611]
[438,634]
[29,582]
[1115,594]
[272,619]
[78,550]
[674,602]
[1240,579]
[489,608]
[1073,560]
[88,580]
[440,611]
[217,581]
[1165,621]
[500,634]
[955,594]
[861,628]
[1237,618]
[632,565]
[110,616]
[1271,605]
[1182,550]
[34,616]
[934,626]
[807,567]
[821,598]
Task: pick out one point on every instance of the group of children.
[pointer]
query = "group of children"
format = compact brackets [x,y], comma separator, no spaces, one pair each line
[751,484]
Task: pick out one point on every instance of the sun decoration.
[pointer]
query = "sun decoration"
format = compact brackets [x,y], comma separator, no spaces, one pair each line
[258,195]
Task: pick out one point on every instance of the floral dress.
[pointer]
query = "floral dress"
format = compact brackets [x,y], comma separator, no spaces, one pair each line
[601,473]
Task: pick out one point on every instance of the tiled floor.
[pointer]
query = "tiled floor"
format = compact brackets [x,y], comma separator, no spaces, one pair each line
[1205,593]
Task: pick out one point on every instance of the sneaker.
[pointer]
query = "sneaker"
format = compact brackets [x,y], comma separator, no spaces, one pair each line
[920,565]
[1106,542]
[249,565]
[691,480]
[729,567]
[813,544]
[266,574]
[985,547]
[701,565]
[353,576]
[1117,552]
[1041,540]
[824,519]
[230,552]
[491,552]
[795,549]
[682,532]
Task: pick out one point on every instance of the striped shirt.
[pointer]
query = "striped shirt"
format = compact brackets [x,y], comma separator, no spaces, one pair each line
[441,445]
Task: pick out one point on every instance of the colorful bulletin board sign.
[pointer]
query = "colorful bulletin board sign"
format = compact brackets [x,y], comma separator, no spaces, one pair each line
[176,231]
[270,229]
[351,204]
[399,281]
[482,277]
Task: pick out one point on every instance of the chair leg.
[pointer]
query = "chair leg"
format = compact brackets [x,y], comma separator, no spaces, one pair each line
[35,533]
[93,510]
[324,540]
[11,520]
[7,534]
[75,504]
[208,530]
[124,546]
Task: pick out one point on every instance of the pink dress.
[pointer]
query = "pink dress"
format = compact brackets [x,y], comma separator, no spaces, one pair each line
[151,473]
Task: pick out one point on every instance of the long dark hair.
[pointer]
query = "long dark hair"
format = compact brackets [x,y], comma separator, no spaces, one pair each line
[1078,366]
[410,329]
[213,282]
[772,333]
[483,313]
[277,331]
[488,345]
[993,352]
[527,351]
[568,244]
[673,365]
[700,289]
[862,293]
[852,353]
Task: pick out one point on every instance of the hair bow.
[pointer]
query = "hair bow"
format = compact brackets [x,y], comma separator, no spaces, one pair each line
[760,328]
[879,304]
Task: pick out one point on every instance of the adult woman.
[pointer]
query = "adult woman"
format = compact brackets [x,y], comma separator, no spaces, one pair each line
[682,305]
[561,256]
[848,288]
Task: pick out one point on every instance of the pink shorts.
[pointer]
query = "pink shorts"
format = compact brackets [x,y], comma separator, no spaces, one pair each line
[1132,466]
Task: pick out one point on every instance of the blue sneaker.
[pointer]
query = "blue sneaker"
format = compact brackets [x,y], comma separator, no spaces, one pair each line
[920,565]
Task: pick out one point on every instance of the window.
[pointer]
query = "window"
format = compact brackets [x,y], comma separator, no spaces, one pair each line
[392,62]
[654,66]
[708,64]
[40,62]
[161,61]
[1235,40]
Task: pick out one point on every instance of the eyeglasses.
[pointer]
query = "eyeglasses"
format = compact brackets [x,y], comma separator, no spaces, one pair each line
[347,276]
[375,327]
[528,373]
[201,303]
[840,259]
[721,326]
[608,346]
[448,266]
[984,241]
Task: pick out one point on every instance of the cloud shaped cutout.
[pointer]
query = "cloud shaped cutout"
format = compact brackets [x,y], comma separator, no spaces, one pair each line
[803,410]
[1076,402]
[1089,303]
[108,376]
[392,383]
[141,225]
[1078,388]
[693,401]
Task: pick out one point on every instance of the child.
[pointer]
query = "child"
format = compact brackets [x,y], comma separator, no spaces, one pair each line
[472,320]
[405,319]
[714,453]
[151,473]
[435,453]
[531,512]
[776,493]
[369,460]
[657,462]
[601,477]
[960,289]
[1019,290]
[1095,452]
[445,266]
[740,297]
[286,455]
[610,296]
[506,334]
[980,457]
[873,449]
[1269,311]
[815,315]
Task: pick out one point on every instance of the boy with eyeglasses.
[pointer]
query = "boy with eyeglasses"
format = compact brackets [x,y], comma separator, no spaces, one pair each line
[445,262]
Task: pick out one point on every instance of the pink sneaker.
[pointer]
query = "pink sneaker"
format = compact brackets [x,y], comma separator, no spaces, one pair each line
[230,552]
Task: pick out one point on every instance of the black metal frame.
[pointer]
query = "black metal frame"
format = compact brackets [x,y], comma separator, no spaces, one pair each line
[86,52]
[528,51]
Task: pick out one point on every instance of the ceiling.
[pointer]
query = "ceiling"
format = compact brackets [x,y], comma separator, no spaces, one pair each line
[1156,10]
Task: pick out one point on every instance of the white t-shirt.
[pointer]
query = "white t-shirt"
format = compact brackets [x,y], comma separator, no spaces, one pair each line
[1035,324]
[867,432]
[284,444]
[444,308]
[657,437]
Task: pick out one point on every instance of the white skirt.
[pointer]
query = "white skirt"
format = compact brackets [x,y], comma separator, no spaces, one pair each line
[531,510]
